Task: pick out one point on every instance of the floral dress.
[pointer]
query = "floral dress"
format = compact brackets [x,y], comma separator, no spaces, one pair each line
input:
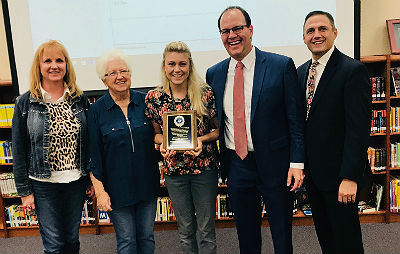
[158,102]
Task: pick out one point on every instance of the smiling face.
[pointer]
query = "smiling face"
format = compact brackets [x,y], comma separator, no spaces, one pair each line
[52,65]
[118,77]
[238,45]
[177,67]
[319,35]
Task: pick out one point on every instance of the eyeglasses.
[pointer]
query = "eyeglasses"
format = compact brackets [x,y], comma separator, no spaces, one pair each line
[115,73]
[235,29]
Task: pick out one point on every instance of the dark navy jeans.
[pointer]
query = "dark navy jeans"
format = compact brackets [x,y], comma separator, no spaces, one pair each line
[59,210]
[134,227]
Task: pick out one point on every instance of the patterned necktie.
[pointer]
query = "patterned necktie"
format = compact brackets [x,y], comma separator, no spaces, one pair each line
[239,121]
[311,85]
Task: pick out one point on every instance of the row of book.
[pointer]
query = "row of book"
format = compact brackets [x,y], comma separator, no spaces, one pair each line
[164,212]
[378,121]
[378,88]
[394,194]
[395,155]
[377,159]
[5,152]
[6,114]
[18,216]
[395,82]
[373,203]
[7,185]
[395,119]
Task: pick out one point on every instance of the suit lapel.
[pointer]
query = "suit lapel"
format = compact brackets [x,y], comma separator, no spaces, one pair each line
[304,77]
[329,70]
[219,90]
[261,65]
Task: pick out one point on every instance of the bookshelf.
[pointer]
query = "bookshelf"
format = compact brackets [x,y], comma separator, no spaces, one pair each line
[379,66]
[6,96]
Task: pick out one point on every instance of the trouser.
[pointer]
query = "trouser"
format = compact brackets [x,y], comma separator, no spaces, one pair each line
[245,191]
[193,200]
[337,224]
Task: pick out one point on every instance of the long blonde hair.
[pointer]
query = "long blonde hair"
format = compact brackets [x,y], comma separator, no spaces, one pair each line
[195,83]
[36,76]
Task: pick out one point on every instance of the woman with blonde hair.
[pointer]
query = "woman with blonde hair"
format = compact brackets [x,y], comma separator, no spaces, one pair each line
[49,146]
[191,177]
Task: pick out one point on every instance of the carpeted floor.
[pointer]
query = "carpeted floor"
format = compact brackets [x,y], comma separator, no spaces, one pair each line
[378,238]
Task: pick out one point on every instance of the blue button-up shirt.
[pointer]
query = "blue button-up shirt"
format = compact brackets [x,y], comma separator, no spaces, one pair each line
[122,154]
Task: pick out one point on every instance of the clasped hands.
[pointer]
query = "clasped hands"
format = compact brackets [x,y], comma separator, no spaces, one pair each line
[169,153]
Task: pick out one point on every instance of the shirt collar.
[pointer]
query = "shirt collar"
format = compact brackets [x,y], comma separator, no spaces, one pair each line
[325,58]
[108,100]
[247,61]
[47,97]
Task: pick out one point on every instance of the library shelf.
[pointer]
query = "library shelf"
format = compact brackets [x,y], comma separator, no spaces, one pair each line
[5,83]
[34,230]
[373,217]
[373,59]
[379,102]
[379,172]
[9,196]
[377,134]
[394,217]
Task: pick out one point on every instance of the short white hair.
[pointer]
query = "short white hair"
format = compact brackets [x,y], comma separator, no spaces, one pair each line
[108,56]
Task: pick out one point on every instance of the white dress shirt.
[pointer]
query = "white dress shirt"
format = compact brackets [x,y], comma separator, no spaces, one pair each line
[321,67]
[248,74]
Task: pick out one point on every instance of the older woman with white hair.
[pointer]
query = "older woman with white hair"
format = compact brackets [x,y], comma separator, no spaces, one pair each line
[123,164]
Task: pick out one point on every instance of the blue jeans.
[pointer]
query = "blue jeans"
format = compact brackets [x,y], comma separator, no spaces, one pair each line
[59,211]
[134,227]
[193,199]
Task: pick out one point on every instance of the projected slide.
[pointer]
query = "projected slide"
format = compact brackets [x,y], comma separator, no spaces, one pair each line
[144,27]
[141,29]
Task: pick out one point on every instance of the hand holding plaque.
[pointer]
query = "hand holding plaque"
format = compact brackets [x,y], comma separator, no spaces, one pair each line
[180,130]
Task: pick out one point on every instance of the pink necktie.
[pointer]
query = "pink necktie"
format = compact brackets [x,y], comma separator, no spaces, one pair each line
[239,120]
[311,85]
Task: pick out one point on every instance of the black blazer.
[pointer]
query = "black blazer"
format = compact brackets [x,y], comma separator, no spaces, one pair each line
[338,125]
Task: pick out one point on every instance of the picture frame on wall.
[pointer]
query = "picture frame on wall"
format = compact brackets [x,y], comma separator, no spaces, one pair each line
[393,26]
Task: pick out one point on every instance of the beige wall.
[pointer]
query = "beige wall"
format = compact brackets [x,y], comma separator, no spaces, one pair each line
[374,36]
[5,73]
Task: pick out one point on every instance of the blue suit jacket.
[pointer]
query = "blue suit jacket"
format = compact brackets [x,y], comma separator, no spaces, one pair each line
[277,117]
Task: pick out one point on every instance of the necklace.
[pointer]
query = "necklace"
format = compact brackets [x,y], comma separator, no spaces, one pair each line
[172,96]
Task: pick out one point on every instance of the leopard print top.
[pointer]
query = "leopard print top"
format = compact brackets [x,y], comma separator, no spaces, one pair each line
[64,134]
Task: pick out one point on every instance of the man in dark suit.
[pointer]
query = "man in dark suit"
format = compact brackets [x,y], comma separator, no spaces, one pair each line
[338,103]
[262,132]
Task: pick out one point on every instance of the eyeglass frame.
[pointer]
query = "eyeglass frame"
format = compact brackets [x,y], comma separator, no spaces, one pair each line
[120,72]
[235,30]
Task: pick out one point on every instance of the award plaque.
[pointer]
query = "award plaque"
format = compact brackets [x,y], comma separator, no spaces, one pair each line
[180,130]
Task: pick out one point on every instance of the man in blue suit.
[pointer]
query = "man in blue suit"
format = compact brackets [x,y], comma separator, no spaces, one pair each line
[268,163]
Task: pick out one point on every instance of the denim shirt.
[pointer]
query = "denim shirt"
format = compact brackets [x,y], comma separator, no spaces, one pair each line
[30,139]
[122,153]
